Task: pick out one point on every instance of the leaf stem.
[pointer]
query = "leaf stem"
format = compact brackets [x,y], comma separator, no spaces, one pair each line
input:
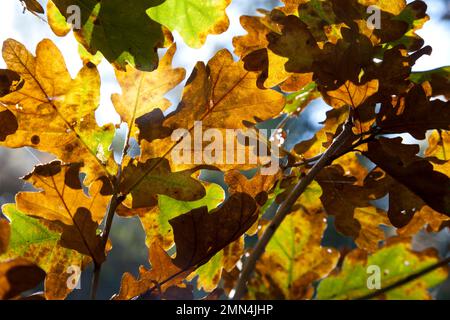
[344,138]
[406,280]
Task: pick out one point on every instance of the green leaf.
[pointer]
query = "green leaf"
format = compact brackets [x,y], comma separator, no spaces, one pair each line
[297,101]
[26,231]
[209,273]
[193,19]
[170,208]
[156,221]
[439,79]
[414,14]
[396,262]
[32,240]
[122,31]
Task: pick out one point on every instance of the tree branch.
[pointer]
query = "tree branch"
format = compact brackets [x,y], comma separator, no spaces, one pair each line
[406,280]
[116,200]
[343,140]
[95,280]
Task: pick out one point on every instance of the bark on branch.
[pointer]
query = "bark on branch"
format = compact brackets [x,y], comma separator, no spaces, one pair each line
[345,138]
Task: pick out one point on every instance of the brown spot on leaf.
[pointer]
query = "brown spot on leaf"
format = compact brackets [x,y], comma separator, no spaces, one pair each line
[8,124]
[35,139]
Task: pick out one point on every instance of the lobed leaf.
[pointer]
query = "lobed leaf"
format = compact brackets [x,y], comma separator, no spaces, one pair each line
[194,20]
[396,262]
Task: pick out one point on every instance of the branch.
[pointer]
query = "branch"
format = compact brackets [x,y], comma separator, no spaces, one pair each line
[370,136]
[343,140]
[406,280]
[116,200]
[95,280]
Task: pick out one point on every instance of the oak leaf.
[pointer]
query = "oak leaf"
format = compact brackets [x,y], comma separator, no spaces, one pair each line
[156,220]
[438,78]
[415,173]
[33,6]
[63,200]
[33,240]
[17,276]
[396,261]
[294,257]
[144,181]
[414,113]
[199,235]
[55,113]
[350,94]
[194,20]
[350,203]
[143,92]
[123,33]
[295,37]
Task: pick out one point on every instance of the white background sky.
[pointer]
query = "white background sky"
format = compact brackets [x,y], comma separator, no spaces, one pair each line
[29,30]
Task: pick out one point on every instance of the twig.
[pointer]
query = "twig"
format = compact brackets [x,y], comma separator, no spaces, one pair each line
[95,280]
[406,280]
[113,204]
[116,200]
[306,161]
[341,141]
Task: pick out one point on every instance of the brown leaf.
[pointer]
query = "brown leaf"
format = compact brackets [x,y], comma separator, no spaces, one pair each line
[146,180]
[10,81]
[414,114]
[160,277]
[295,37]
[63,200]
[8,124]
[213,231]
[5,233]
[342,62]
[416,174]
[33,6]
[258,186]
[17,276]
[254,52]
[199,235]
[223,95]
[351,205]
[90,243]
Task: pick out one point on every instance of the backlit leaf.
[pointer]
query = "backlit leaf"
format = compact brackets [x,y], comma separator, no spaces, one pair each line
[143,92]
[63,200]
[18,275]
[193,19]
[32,240]
[55,113]
[199,235]
[351,94]
[124,34]
[395,262]
[416,174]
[294,257]
[156,221]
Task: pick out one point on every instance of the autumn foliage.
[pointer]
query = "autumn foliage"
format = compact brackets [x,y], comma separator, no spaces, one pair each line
[195,229]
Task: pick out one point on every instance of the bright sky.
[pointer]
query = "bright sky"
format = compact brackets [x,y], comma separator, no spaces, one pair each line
[29,30]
